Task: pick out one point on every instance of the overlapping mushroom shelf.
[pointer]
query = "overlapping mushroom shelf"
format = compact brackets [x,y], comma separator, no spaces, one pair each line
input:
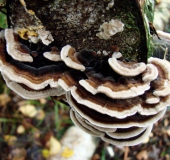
[116,100]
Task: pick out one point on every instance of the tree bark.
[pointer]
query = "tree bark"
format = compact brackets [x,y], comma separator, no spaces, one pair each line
[77,22]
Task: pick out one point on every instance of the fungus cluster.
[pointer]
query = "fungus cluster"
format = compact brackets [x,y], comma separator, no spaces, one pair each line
[110,97]
[108,29]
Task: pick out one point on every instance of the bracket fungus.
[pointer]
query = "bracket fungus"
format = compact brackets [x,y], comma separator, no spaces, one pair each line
[15,49]
[109,29]
[53,55]
[117,95]
[68,55]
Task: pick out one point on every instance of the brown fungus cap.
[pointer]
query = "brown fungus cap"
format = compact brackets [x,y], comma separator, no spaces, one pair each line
[53,55]
[106,121]
[150,74]
[68,55]
[115,107]
[116,90]
[129,141]
[123,136]
[31,94]
[114,99]
[119,133]
[125,69]
[15,49]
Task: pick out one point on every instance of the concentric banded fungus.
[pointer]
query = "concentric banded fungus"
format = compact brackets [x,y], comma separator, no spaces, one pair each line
[14,76]
[118,133]
[121,137]
[68,55]
[15,49]
[87,126]
[151,99]
[32,94]
[90,100]
[126,69]
[84,126]
[151,73]
[53,55]
[122,99]
[131,132]
[110,95]
[129,135]
[28,81]
[107,121]
[130,141]
[116,90]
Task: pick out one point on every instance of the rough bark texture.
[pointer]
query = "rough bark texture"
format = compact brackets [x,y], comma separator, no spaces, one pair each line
[76,22]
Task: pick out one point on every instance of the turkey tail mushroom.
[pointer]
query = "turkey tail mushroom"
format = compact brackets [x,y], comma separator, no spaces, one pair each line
[110,97]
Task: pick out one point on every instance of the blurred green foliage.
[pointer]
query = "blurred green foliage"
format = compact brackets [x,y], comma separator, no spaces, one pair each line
[3,19]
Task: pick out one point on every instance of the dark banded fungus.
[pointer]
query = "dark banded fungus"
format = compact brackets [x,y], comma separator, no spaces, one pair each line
[53,55]
[129,99]
[111,95]
[15,49]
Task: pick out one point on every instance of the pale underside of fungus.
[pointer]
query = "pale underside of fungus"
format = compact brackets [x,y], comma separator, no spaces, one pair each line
[111,96]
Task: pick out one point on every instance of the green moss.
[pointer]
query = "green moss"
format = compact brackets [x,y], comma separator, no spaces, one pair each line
[133,40]
[148,14]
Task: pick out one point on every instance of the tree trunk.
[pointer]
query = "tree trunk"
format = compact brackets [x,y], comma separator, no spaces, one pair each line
[77,23]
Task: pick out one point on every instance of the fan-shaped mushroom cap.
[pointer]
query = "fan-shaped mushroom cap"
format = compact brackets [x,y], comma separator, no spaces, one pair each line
[102,105]
[112,132]
[165,65]
[132,91]
[28,81]
[69,57]
[102,129]
[117,108]
[162,91]
[52,55]
[32,94]
[126,133]
[130,141]
[124,137]
[13,76]
[67,81]
[35,78]
[116,100]
[89,130]
[163,34]
[16,50]
[124,68]
[116,90]
[117,134]
[151,99]
[151,73]
[107,121]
